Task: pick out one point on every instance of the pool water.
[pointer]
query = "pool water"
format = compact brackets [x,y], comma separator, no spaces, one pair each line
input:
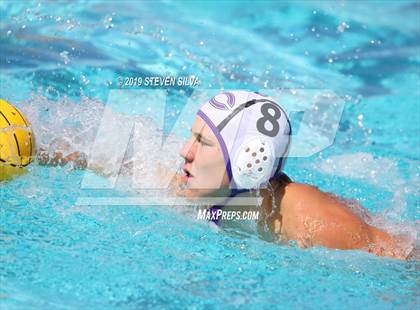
[60,64]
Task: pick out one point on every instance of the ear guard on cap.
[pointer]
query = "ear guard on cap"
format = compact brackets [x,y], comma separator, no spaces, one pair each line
[253,164]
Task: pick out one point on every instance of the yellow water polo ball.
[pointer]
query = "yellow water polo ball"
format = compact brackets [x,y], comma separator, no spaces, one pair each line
[17,141]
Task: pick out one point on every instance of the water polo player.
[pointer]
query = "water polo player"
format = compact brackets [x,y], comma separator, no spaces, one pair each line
[239,142]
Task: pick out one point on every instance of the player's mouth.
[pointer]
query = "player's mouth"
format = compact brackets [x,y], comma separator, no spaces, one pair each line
[186,175]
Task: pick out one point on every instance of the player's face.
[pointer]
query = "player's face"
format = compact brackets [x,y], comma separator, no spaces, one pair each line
[205,167]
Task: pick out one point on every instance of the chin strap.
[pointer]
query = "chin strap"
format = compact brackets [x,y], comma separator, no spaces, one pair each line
[213,210]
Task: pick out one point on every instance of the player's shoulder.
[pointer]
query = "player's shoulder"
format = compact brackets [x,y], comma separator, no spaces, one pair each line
[304,198]
[299,191]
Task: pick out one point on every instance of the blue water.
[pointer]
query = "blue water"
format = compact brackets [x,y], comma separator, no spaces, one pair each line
[56,254]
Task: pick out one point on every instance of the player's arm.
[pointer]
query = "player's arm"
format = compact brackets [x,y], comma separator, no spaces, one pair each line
[61,156]
[312,217]
[60,153]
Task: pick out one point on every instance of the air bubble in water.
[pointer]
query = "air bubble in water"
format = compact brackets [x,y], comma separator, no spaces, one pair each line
[65,56]
[343,27]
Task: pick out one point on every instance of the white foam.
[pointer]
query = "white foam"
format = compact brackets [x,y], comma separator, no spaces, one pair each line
[362,166]
[76,125]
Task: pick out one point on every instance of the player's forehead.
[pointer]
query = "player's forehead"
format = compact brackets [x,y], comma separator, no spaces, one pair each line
[201,127]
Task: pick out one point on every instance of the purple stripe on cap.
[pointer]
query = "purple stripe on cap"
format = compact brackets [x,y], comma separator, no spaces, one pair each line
[221,141]
[222,106]
[230,98]
[217,104]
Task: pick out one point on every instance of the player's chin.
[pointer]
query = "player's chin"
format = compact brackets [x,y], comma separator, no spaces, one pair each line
[196,193]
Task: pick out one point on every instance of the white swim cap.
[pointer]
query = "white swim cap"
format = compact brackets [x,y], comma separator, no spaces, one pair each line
[254,134]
